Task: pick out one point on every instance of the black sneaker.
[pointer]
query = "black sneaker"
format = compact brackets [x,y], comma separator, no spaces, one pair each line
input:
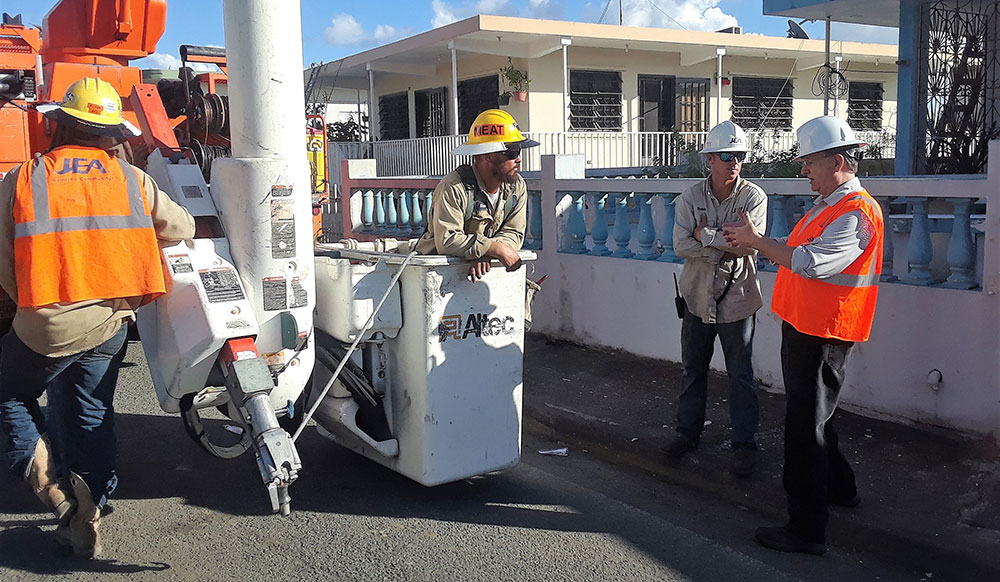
[744,461]
[779,538]
[678,445]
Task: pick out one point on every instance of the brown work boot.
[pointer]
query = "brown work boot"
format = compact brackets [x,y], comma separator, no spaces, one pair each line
[41,476]
[84,523]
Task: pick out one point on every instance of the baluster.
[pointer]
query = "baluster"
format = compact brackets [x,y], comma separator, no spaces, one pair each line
[962,247]
[576,230]
[599,229]
[428,203]
[367,211]
[404,214]
[535,218]
[919,250]
[622,231]
[667,238]
[380,212]
[777,207]
[417,218]
[887,243]
[646,233]
[391,216]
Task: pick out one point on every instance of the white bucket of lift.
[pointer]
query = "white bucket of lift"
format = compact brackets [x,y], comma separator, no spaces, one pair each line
[453,396]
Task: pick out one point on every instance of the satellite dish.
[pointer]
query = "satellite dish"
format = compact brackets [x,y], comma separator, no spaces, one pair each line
[795,30]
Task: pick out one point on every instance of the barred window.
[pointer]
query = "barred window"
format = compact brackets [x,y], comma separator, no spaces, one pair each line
[762,103]
[595,101]
[394,116]
[431,108]
[864,106]
[474,97]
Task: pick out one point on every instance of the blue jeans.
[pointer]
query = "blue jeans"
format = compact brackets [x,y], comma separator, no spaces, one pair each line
[697,346]
[80,412]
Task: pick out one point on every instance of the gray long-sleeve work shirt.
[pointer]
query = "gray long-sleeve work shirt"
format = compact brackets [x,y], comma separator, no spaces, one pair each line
[710,263]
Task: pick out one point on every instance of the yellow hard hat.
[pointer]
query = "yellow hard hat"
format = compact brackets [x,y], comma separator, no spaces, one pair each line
[94,106]
[492,131]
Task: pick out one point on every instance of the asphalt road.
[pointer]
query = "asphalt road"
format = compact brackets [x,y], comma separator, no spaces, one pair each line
[182,515]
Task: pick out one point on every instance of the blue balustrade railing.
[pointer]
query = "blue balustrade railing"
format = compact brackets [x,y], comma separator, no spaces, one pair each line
[939,235]
[640,220]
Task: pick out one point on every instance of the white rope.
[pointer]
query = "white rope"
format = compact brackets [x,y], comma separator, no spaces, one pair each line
[347,356]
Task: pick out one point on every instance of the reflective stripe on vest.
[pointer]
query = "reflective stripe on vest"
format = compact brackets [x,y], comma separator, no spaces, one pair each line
[83,231]
[841,306]
[45,224]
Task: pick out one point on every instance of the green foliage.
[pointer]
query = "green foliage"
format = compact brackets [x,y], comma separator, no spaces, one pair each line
[516,78]
[348,130]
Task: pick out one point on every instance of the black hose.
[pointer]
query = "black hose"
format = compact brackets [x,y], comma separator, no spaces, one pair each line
[196,430]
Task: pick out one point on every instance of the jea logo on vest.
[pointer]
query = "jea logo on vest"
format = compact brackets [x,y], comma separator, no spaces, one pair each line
[477,324]
[81,166]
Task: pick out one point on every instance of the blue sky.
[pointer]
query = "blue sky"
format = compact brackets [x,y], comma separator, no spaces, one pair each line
[332,28]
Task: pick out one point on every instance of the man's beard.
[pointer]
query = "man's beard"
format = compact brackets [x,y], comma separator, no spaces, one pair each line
[504,178]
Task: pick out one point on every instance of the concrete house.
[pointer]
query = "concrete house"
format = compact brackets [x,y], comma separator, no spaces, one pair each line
[623,96]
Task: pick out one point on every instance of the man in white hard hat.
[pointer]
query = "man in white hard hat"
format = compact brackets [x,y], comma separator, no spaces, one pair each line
[721,293]
[79,253]
[825,293]
[479,211]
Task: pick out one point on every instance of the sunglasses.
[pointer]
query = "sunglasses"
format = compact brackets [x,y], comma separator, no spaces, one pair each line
[511,153]
[730,156]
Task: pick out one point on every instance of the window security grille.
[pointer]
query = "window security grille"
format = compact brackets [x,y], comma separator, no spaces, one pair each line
[394,116]
[864,106]
[431,107]
[595,101]
[474,97]
[762,103]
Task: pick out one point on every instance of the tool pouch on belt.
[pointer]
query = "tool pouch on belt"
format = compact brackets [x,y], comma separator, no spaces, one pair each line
[530,288]
[679,303]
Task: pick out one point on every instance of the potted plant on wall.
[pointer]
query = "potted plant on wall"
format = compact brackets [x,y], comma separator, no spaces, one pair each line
[517,80]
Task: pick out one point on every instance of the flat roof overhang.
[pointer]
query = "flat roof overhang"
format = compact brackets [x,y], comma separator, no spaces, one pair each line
[525,38]
[873,12]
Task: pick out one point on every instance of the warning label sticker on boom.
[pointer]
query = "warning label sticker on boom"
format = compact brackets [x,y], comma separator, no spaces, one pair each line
[299,295]
[282,229]
[221,285]
[275,293]
[180,264]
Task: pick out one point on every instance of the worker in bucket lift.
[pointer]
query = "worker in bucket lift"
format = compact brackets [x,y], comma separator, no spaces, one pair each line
[79,252]
[479,211]
[721,296]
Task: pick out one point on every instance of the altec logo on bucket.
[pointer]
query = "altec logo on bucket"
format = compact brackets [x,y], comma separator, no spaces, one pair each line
[477,324]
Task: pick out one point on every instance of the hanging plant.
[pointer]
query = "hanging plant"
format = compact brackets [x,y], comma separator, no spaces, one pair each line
[517,80]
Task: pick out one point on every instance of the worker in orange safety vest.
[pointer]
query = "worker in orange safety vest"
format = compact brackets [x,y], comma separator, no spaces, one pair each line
[78,253]
[825,294]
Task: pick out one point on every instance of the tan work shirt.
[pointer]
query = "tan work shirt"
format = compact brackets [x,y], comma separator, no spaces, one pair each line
[65,329]
[709,264]
[448,233]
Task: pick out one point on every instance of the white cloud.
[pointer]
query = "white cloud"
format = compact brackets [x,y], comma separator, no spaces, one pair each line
[864,33]
[446,13]
[691,14]
[345,30]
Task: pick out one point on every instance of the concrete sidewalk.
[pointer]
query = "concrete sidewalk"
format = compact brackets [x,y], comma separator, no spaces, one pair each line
[930,499]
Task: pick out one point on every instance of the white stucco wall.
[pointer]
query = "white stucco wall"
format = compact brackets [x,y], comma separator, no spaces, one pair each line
[628,304]
[542,111]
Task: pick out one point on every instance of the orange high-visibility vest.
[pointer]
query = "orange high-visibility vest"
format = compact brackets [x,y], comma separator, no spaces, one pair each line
[841,306]
[83,230]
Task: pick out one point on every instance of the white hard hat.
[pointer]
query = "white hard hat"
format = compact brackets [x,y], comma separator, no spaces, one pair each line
[825,133]
[726,137]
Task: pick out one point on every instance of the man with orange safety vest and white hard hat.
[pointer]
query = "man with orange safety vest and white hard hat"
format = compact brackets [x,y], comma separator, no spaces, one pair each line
[79,253]
[825,293]
[479,211]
